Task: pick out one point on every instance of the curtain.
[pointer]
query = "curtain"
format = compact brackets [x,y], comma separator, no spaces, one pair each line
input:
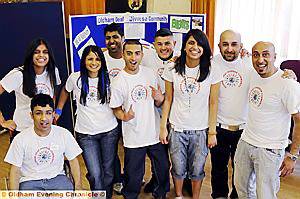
[206,7]
[276,21]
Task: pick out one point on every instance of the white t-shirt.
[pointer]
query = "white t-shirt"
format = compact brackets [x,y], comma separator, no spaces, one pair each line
[152,60]
[42,157]
[114,66]
[13,81]
[272,100]
[190,106]
[95,117]
[127,90]
[233,96]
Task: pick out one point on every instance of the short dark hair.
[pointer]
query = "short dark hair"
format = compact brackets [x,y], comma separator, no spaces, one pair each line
[132,42]
[113,27]
[41,100]
[163,32]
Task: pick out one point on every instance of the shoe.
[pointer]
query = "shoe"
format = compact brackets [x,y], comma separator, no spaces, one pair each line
[117,187]
[149,187]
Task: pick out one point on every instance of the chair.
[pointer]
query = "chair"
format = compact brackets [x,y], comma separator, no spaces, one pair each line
[295,66]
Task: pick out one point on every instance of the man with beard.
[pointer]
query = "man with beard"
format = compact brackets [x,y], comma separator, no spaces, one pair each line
[232,109]
[260,151]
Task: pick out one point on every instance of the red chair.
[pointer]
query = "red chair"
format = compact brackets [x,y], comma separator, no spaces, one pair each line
[293,65]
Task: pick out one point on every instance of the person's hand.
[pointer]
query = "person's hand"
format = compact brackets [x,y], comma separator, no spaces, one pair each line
[244,53]
[78,187]
[56,117]
[289,74]
[157,94]
[9,124]
[287,167]
[128,115]
[212,140]
[163,135]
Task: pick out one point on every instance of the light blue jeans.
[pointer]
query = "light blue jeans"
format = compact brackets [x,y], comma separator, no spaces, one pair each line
[188,152]
[60,182]
[264,164]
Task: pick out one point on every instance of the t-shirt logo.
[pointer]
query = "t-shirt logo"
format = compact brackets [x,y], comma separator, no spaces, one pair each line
[189,85]
[44,156]
[93,94]
[42,88]
[256,96]
[139,93]
[232,79]
[114,72]
[160,71]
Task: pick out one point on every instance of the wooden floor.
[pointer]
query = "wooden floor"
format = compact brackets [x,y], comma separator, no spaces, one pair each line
[289,185]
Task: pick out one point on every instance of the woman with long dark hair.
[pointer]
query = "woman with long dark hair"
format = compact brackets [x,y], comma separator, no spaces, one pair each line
[191,98]
[37,75]
[96,125]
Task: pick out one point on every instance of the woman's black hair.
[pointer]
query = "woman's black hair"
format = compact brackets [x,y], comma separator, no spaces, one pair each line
[103,77]
[29,76]
[205,64]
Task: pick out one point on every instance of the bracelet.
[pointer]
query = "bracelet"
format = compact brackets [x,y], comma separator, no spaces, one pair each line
[58,111]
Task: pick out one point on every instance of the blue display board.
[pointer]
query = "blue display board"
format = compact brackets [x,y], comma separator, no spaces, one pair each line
[89,29]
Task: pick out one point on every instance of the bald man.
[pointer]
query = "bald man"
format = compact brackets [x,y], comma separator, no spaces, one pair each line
[260,151]
[232,109]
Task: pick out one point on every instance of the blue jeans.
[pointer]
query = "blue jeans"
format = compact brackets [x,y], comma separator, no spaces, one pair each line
[99,153]
[188,152]
[264,163]
[60,182]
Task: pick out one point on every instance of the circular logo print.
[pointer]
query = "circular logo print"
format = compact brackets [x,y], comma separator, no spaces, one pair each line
[93,94]
[42,88]
[232,79]
[190,86]
[256,96]
[114,72]
[139,93]
[44,156]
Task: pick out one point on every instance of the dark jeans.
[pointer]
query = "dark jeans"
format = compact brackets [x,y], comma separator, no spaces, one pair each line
[134,170]
[99,156]
[118,170]
[220,154]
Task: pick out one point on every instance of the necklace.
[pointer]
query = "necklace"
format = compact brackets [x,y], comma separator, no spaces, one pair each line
[190,88]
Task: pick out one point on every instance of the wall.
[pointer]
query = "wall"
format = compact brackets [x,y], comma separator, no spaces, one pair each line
[169,6]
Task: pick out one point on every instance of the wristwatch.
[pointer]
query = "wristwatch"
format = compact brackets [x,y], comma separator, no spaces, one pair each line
[292,156]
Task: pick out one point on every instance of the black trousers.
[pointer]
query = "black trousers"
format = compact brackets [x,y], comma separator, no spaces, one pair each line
[220,154]
[134,170]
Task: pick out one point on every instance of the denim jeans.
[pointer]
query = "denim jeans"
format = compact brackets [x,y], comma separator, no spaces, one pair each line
[220,155]
[188,152]
[134,169]
[264,164]
[99,153]
[60,182]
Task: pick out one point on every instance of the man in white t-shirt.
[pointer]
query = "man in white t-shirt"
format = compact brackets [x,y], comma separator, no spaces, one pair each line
[260,151]
[114,37]
[232,109]
[134,95]
[37,154]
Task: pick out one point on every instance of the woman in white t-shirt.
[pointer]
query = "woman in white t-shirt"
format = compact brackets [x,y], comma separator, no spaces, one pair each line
[96,126]
[191,98]
[37,75]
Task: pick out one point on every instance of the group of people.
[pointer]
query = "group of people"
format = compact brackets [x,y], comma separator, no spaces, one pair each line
[163,104]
